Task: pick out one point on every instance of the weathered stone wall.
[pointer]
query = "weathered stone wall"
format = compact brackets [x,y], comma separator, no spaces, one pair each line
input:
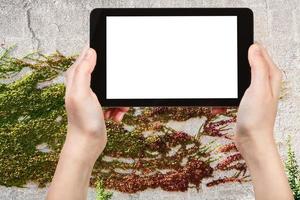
[64,26]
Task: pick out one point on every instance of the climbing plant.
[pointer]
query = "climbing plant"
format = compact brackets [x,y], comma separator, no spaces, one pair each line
[101,193]
[293,171]
[143,151]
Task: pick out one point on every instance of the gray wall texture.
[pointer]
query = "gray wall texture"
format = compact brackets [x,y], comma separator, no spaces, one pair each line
[64,26]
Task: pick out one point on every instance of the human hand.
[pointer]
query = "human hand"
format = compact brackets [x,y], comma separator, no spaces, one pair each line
[254,131]
[258,108]
[86,127]
[86,134]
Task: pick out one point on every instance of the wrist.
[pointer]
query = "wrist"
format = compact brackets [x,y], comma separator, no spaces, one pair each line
[76,160]
[256,149]
[83,147]
[77,153]
[250,139]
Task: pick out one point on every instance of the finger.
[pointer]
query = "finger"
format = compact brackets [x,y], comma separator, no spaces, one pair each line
[123,109]
[107,114]
[82,72]
[118,116]
[275,74]
[114,113]
[218,110]
[259,67]
[69,73]
[110,113]
[82,54]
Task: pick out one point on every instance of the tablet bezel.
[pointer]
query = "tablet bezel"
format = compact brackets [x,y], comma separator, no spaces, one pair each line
[98,42]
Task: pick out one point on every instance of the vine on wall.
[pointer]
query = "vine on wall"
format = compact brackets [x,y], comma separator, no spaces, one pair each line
[144,151]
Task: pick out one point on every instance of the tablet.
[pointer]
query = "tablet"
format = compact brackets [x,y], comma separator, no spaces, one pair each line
[171,56]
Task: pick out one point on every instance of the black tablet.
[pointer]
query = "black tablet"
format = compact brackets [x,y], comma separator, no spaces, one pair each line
[171,56]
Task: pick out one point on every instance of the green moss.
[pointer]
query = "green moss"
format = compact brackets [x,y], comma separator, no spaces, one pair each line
[31,116]
[28,118]
[123,143]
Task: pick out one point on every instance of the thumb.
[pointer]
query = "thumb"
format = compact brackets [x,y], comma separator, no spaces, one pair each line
[259,67]
[82,72]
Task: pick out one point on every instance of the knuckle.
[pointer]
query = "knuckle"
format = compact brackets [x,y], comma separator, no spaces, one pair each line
[94,128]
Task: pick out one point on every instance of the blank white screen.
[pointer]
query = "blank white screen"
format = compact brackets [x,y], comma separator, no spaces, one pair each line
[151,57]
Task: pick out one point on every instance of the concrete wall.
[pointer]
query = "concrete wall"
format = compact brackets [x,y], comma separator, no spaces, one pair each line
[64,26]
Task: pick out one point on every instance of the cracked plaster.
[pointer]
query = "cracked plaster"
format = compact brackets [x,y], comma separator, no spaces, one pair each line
[64,26]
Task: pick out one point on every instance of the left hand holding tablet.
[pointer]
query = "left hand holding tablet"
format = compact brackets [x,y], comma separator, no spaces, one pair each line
[86,126]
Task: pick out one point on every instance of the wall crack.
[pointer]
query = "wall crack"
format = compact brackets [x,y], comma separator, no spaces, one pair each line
[34,38]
